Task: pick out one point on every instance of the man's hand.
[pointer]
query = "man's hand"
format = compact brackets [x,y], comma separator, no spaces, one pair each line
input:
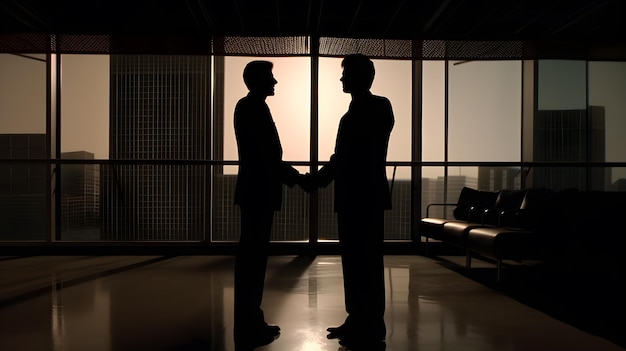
[307,182]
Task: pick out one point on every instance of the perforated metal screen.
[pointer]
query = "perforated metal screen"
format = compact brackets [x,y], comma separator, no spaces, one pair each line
[302,45]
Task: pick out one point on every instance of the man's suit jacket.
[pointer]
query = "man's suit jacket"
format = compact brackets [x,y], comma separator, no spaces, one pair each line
[261,169]
[358,164]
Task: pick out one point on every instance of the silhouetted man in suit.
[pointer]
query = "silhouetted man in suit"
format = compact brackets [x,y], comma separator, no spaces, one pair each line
[258,193]
[361,197]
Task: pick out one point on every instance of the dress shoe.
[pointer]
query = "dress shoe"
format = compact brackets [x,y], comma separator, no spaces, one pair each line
[273,328]
[339,332]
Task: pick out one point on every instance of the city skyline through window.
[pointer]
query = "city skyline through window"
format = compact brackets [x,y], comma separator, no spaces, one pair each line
[471,113]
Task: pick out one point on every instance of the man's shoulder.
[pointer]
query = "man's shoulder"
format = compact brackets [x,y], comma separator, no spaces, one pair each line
[248,103]
[244,101]
[379,103]
[381,99]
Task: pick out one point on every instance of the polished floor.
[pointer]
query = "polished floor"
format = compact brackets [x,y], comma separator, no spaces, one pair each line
[185,303]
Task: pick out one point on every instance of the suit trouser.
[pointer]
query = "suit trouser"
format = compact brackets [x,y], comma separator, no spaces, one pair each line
[361,236]
[250,266]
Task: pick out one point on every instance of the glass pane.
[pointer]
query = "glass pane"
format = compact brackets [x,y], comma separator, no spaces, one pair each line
[485,110]
[22,136]
[225,217]
[153,202]
[620,183]
[607,89]
[398,219]
[290,106]
[84,135]
[432,192]
[560,125]
[433,114]
[392,80]
[561,85]
[437,188]
[333,103]
[85,104]
[290,224]
[327,227]
[80,199]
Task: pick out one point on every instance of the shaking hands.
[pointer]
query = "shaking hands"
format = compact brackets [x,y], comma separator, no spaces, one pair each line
[307,182]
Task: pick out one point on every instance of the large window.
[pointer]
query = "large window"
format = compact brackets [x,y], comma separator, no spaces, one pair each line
[170,114]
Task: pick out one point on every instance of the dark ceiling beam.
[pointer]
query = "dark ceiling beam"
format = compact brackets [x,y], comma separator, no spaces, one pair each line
[238,12]
[529,23]
[487,16]
[393,19]
[319,17]
[192,13]
[356,14]
[278,14]
[25,16]
[436,16]
[206,16]
[307,28]
[577,16]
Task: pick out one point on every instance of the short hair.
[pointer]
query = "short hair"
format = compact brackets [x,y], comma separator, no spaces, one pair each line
[363,66]
[254,71]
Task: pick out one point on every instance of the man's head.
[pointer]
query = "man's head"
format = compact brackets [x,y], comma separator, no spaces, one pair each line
[358,73]
[259,78]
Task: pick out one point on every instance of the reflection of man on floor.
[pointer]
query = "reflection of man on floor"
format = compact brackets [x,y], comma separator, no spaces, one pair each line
[361,197]
[258,193]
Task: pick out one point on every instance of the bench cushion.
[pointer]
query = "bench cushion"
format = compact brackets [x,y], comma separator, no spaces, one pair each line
[504,243]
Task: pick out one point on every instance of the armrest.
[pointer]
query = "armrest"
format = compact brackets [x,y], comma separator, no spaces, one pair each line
[493,213]
[437,204]
[518,218]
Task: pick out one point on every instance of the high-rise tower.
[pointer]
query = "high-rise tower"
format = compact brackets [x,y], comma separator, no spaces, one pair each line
[570,136]
[160,108]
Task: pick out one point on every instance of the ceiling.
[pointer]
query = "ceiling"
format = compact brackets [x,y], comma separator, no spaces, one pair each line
[589,22]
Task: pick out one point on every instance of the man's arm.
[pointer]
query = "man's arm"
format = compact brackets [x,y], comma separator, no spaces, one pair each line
[289,175]
[327,173]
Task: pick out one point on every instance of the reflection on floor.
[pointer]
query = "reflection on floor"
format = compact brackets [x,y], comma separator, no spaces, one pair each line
[185,303]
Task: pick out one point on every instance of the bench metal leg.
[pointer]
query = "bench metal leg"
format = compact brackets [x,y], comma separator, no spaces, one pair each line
[468,259]
[498,270]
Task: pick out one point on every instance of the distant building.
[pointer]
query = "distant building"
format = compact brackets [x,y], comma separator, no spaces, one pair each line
[498,178]
[160,110]
[570,136]
[23,188]
[290,224]
[398,219]
[80,198]
[619,185]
